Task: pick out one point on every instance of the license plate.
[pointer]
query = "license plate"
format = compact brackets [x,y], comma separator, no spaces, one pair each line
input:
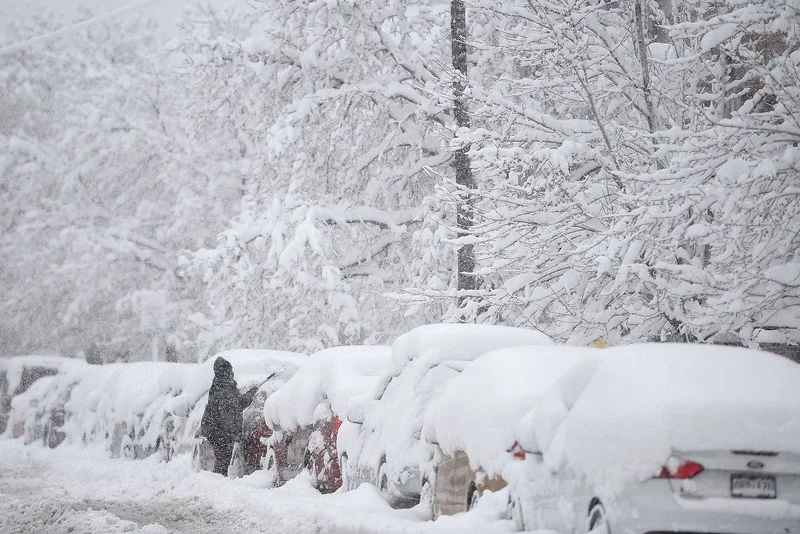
[753,486]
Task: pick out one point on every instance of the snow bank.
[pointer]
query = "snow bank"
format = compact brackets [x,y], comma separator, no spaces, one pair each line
[324,385]
[480,409]
[642,402]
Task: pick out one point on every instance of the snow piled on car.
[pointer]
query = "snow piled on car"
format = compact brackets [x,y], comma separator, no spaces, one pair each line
[388,443]
[460,341]
[15,366]
[325,385]
[621,416]
[480,409]
[133,403]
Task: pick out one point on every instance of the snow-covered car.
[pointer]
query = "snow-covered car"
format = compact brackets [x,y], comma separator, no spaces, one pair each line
[381,440]
[260,369]
[126,406]
[307,411]
[255,431]
[474,421]
[17,375]
[664,438]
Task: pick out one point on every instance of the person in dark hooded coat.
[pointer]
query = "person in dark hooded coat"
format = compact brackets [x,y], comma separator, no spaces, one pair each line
[222,420]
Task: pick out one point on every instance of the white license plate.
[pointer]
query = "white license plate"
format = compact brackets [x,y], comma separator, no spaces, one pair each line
[753,486]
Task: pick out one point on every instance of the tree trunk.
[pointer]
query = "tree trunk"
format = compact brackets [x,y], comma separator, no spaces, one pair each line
[461,162]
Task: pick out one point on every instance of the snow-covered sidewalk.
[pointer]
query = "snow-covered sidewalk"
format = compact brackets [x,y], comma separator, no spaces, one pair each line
[81,490]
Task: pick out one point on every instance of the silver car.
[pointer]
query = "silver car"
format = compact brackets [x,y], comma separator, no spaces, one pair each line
[659,438]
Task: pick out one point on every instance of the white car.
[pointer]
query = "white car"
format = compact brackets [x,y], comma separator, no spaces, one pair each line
[657,438]
[474,420]
[380,442]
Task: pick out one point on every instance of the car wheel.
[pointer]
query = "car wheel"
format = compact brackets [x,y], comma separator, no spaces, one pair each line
[428,498]
[197,464]
[383,477]
[343,461]
[271,468]
[310,466]
[472,496]
[597,522]
[514,513]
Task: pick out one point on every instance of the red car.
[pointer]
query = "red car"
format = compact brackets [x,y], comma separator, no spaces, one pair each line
[311,448]
[307,411]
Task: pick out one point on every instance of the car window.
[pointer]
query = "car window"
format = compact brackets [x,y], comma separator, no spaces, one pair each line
[31,375]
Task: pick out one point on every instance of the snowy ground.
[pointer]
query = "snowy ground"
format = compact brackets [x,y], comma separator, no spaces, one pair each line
[82,490]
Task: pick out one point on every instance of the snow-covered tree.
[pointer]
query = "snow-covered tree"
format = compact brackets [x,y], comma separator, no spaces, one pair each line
[345,137]
[628,157]
[101,199]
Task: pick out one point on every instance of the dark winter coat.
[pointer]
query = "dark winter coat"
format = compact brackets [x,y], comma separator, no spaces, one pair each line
[222,420]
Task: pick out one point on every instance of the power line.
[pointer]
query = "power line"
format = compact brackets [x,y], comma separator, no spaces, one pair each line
[66,29]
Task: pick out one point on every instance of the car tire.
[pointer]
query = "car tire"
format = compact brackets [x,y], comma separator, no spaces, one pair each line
[343,461]
[197,464]
[514,513]
[271,468]
[428,497]
[473,496]
[310,466]
[383,478]
[597,522]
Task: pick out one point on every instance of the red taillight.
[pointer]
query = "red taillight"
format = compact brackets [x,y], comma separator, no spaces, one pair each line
[688,469]
[517,451]
[336,424]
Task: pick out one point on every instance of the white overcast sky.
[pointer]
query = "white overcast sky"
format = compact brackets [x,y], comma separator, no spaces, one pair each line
[165,11]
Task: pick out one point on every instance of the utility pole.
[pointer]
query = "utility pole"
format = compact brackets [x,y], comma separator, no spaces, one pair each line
[461,163]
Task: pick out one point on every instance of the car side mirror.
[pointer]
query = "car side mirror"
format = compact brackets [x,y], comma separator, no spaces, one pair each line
[355,413]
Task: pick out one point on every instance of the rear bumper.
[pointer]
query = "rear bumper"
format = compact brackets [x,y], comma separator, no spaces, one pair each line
[652,508]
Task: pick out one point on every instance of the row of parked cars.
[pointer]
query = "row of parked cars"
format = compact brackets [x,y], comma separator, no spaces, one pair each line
[644,439]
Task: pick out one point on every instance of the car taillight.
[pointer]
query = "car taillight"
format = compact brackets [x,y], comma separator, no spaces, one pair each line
[687,469]
[336,424]
[517,451]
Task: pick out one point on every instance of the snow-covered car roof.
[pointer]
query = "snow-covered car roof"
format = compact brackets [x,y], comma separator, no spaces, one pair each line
[14,366]
[250,368]
[424,360]
[125,389]
[635,405]
[479,410]
[325,384]
[460,341]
